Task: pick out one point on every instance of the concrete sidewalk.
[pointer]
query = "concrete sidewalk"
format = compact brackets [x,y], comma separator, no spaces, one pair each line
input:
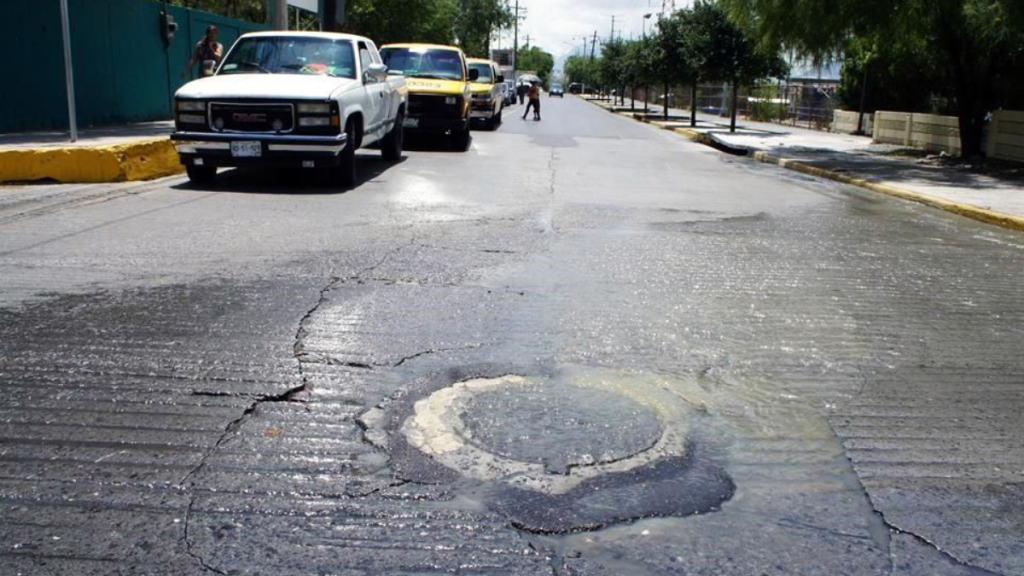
[111,154]
[855,160]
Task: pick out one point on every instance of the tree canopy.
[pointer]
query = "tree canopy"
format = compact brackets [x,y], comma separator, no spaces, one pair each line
[467,23]
[978,44]
[537,60]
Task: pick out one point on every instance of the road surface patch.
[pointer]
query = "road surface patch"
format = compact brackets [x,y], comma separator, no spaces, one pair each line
[553,454]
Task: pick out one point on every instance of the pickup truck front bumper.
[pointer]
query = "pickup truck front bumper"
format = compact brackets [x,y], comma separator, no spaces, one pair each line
[284,151]
[435,124]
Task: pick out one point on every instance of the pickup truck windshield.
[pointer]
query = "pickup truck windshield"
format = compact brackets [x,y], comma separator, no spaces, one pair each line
[485,73]
[436,63]
[291,55]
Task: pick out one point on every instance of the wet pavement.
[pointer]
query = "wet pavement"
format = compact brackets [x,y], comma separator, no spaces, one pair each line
[587,346]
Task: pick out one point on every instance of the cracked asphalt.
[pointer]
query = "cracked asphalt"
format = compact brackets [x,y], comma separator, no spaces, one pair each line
[191,377]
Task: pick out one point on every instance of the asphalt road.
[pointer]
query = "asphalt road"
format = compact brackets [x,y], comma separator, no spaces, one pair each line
[257,378]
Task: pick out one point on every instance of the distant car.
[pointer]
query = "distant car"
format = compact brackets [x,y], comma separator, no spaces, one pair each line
[576,88]
[556,90]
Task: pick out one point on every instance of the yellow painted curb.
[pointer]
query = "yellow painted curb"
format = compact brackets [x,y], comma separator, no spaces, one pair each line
[142,160]
[970,211]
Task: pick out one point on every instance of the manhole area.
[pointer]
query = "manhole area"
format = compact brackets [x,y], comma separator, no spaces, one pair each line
[559,426]
[555,451]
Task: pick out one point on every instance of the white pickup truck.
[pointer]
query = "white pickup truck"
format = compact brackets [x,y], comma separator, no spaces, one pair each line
[291,99]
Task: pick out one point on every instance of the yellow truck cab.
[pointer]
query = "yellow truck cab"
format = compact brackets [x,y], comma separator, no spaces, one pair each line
[438,80]
[487,98]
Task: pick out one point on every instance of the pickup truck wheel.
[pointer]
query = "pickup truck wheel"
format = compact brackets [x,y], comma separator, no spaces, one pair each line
[345,173]
[201,174]
[460,140]
[391,145]
[496,121]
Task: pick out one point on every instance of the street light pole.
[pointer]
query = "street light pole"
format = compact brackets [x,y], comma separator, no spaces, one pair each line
[68,70]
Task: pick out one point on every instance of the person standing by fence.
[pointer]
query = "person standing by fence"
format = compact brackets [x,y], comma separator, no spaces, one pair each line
[208,53]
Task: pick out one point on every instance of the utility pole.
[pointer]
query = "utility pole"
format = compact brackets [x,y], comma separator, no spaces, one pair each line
[279,15]
[593,46]
[69,76]
[515,43]
[612,37]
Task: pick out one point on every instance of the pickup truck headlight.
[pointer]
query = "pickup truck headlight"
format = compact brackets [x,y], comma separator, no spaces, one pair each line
[451,100]
[191,119]
[191,106]
[315,121]
[314,108]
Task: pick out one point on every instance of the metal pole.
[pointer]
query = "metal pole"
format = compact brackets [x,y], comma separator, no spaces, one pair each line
[68,70]
[515,50]
[279,15]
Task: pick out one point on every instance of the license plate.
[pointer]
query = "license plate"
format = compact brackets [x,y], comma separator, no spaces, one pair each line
[411,123]
[246,149]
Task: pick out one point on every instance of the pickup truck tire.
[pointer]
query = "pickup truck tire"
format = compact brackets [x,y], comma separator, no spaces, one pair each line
[201,174]
[345,174]
[460,140]
[391,144]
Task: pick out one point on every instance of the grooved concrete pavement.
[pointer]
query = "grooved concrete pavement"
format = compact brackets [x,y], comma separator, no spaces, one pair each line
[183,370]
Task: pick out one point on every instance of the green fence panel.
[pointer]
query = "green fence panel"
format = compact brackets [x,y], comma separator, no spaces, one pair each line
[32,91]
[123,70]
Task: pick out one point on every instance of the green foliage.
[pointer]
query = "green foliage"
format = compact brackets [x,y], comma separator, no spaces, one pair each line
[762,108]
[978,44]
[612,67]
[896,72]
[536,59]
[249,10]
[584,70]
[477,20]
[468,23]
[723,52]
[387,21]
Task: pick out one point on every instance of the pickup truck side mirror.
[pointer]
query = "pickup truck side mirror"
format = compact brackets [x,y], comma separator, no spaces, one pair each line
[375,73]
[474,75]
[501,79]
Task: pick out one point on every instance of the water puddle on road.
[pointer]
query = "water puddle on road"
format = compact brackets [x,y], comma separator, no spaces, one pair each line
[646,468]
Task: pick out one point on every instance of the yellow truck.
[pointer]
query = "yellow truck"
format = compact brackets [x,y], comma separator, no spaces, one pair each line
[438,80]
[487,98]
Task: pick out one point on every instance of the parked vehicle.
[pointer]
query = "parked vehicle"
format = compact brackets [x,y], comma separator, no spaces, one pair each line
[508,94]
[576,88]
[438,81]
[291,99]
[556,90]
[486,92]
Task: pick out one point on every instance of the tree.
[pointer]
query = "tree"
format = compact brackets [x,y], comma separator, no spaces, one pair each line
[612,66]
[537,60]
[902,68]
[477,20]
[725,53]
[671,55]
[583,70]
[976,42]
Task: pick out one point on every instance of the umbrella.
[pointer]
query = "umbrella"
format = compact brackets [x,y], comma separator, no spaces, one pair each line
[529,78]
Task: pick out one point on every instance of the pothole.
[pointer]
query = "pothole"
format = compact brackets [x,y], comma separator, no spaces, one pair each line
[555,453]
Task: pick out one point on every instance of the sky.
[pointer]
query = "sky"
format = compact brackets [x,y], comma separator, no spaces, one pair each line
[559,26]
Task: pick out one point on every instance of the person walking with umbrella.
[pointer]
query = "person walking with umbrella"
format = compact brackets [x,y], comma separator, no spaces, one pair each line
[534,95]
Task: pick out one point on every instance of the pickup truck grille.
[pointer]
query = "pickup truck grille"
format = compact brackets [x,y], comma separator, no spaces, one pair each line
[433,106]
[244,117]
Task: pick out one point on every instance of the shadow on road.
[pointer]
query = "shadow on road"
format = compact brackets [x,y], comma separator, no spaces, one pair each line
[293,180]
